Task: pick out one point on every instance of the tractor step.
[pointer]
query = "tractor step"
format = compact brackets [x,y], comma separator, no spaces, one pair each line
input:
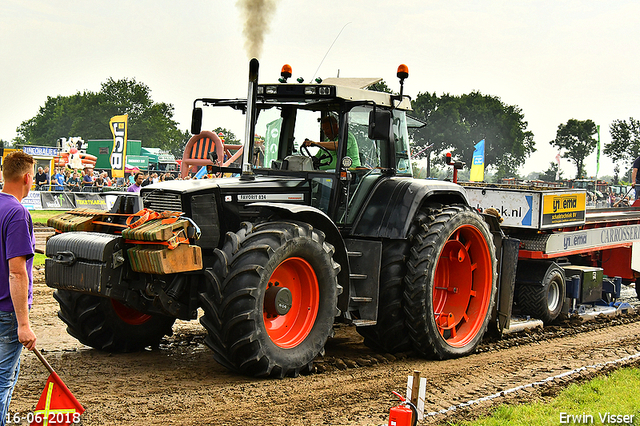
[363,323]
[358,276]
[365,257]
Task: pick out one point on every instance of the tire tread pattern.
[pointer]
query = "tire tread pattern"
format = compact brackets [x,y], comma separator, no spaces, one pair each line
[532,300]
[92,320]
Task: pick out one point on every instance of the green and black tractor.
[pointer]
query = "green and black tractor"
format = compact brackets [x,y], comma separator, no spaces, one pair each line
[287,239]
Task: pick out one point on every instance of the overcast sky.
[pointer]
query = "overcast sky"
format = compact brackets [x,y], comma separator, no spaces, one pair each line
[556,60]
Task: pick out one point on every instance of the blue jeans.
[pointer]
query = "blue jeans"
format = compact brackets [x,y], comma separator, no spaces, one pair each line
[10,349]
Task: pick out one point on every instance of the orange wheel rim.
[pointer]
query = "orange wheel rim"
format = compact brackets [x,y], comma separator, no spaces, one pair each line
[129,315]
[463,284]
[296,275]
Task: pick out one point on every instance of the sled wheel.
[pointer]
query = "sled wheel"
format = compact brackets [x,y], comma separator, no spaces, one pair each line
[540,289]
[271,299]
[108,325]
[451,284]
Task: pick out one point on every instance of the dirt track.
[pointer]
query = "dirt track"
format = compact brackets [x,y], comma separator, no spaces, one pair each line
[181,383]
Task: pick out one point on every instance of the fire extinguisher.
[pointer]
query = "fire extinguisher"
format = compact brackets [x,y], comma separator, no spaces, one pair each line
[404,414]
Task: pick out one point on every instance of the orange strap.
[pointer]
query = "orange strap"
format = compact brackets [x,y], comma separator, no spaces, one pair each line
[171,243]
[146,215]
[176,240]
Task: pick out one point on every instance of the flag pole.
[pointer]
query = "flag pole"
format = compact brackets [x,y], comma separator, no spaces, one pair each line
[48,396]
[44,361]
[598,157]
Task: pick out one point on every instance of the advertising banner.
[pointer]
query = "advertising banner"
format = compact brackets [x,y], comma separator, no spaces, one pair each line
[40,151]
[139,162]
[477,168]
[32,201]
[118,125]
[271,141]
[90,200]
[57,200]
[564,208]
[515,207]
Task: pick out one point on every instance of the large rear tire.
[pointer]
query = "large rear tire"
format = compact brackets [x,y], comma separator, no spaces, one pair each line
[108,325]
[451,282]
[271,300]
[390,334]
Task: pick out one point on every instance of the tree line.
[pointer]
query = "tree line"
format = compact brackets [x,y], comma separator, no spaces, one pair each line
[453,123]
[87,115]
[457,123]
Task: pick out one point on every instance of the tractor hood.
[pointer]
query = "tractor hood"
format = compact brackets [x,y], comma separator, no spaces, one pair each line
[225,184]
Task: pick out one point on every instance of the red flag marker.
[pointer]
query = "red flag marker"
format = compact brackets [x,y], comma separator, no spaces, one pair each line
[57,405]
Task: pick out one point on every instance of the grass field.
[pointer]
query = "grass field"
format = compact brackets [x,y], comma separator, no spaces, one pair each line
[603,400]
[38,259]
[41,216]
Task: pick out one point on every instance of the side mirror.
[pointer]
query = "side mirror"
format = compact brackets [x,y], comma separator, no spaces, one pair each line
[379,124]
[196,121]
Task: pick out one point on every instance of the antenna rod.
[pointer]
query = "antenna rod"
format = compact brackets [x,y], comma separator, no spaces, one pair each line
[325,55]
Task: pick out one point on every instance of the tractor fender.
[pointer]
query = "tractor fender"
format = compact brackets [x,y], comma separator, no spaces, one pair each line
[393,203]
[319,220]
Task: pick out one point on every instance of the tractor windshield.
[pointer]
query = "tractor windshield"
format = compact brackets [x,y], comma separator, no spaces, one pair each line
[374,154]
[307,137]
[401,136]
[281,131]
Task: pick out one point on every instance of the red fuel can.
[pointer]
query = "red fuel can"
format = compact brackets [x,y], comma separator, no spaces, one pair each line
[400,416]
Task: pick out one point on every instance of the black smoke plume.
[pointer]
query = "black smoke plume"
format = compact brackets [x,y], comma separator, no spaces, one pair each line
[257,14]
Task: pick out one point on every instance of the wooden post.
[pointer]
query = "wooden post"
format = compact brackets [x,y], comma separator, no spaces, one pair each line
[415,387]
[415,391]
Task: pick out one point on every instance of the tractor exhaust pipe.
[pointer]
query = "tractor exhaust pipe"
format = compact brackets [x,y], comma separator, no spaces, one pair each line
[250,128]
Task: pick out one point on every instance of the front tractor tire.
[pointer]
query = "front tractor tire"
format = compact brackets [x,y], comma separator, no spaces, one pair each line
[271,299]
[450,287]
[108,325]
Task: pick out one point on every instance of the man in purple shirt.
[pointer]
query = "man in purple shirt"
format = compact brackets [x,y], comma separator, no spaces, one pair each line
[17,247]
[137,183]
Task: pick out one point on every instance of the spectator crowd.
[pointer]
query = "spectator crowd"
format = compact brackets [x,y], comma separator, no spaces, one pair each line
[89,181]
[621,200]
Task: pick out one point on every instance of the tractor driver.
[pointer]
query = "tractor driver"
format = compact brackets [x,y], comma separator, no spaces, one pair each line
[329,126]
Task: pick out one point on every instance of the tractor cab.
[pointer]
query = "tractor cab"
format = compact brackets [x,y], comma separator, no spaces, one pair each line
[335,135]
